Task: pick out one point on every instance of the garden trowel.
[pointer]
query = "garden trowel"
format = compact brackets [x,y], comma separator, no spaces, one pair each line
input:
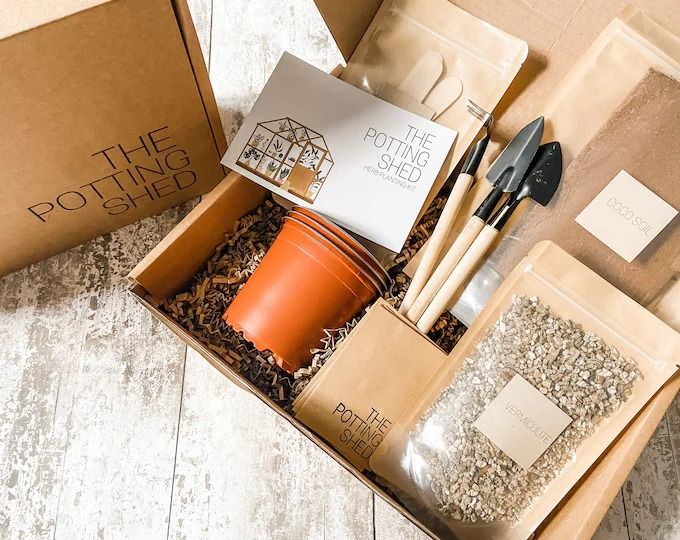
[539,184]
[505,174]
[507,171]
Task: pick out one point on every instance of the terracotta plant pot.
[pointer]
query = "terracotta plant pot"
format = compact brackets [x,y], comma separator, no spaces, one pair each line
[365,272]
[355,250]
[365,255]
[303,285]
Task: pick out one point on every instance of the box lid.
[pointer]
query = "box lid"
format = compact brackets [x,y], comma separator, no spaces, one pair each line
[18,16]
[82,98]
[347,20]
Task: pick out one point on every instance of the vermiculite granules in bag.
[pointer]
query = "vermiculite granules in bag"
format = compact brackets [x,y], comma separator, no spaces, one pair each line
[553,369]
[471,478]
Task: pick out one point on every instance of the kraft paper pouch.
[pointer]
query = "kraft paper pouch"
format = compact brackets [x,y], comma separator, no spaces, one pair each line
[579,106]
[637,139]
[413,47]
[602,78]
[369,382]
[592,354]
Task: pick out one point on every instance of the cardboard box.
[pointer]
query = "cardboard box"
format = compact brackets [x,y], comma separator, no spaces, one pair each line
[172,264]
[557,33]
[107,117]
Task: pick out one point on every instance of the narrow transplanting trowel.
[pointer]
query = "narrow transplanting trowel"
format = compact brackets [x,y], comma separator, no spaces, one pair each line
[505,174]
[539,184]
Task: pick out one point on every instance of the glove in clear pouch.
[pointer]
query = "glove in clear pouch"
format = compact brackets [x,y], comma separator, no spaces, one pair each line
[430,57]
[554,368]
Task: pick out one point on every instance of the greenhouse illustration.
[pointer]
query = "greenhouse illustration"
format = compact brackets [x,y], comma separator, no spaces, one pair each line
[289,155]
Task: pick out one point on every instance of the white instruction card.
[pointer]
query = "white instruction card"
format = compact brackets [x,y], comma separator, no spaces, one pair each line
[522,422]
[326,145]
[626,216]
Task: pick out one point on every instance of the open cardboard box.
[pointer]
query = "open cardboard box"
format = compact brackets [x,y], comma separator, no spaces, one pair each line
[555,34]
[173,262]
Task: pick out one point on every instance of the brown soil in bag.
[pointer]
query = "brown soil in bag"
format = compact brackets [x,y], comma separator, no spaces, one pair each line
[641,138]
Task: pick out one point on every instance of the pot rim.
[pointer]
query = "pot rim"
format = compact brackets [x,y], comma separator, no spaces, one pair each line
[362,272]
[331,236]
[349,240]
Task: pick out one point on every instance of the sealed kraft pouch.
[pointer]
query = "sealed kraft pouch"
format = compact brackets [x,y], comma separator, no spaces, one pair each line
[582,111]
[602,78]
[617,211]
[430,57]
[372,378]
[553,369]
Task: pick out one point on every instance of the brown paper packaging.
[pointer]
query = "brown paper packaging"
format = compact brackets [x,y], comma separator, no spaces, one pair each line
[377,372]
[557,47]
[579,104]
[484,58]
[576,293]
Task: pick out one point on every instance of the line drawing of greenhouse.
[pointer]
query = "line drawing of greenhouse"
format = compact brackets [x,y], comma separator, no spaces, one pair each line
[289,155]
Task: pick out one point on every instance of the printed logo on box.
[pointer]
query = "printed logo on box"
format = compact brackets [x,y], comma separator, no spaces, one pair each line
[358,436]
[136,172]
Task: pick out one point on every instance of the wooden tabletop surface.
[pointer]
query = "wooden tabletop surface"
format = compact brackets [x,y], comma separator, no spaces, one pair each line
[110,427]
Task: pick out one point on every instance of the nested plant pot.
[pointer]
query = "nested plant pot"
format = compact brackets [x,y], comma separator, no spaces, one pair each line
[303,285]
[345,242]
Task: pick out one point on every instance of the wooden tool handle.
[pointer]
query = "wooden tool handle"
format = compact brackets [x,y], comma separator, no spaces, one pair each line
[434,245]
[465,267]
[451,259]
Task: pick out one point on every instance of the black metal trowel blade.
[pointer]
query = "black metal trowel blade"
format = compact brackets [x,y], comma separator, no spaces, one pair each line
[511,165]
[544,175]
[539,184]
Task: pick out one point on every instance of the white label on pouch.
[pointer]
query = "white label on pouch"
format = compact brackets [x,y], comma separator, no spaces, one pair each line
[626,216]
[522,422]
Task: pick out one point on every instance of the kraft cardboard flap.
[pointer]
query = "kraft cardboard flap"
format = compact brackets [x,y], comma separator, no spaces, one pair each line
[182,253]
[18,16]
[193,49]
[347,20]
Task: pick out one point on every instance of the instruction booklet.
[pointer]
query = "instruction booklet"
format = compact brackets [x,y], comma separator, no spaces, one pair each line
[354,158]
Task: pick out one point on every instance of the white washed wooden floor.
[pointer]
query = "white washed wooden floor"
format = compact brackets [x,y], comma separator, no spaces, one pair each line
[111,428]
